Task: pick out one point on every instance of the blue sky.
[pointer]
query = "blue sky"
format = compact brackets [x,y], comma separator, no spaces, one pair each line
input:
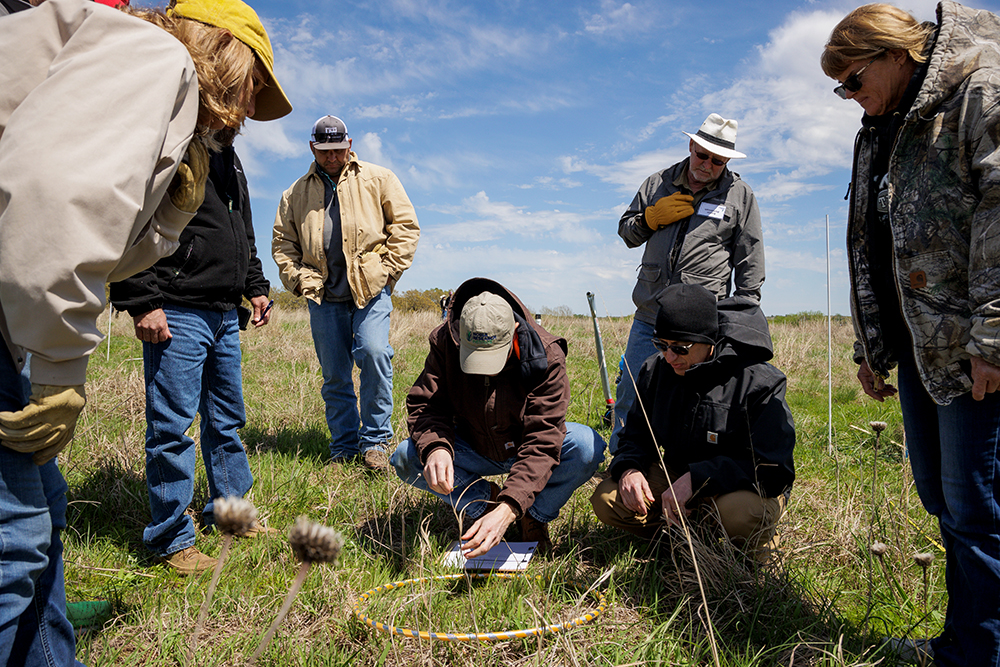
[522,130]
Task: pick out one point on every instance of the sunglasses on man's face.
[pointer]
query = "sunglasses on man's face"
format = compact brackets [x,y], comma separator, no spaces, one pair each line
[679,350]
[853,83]
[716,161]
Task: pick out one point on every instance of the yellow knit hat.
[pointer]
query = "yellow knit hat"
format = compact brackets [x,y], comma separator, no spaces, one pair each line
[240,19]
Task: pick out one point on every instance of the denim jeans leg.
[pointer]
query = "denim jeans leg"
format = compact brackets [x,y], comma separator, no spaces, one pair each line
[582,452]
[471,491]
[33,625]
[333,335]
[373,355]
[173,371]
[953,451]
[637,350]
[223,414]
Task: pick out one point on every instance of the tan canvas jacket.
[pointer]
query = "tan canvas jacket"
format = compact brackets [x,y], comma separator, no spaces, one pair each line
[379,226]
[96,111]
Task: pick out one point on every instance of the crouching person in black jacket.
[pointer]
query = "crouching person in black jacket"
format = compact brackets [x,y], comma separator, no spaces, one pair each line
[711,418]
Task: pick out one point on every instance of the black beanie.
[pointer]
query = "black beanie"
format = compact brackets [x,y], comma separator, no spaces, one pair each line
[687,313]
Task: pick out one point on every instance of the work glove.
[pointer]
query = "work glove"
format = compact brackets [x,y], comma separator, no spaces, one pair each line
[187,189]
[45,426]
[668,210]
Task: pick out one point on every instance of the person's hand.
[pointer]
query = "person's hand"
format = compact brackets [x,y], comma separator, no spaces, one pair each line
[873,385]
[634,491]
[985,378]
[487,531]
[675,498]
[439,471]
[668,210]
[46,424]
[152,327]
[187,189]
[261,313]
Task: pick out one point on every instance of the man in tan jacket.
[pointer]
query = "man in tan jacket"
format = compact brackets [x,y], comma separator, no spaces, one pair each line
[343,235]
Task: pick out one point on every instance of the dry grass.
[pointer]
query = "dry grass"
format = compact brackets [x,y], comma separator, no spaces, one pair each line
[806,609]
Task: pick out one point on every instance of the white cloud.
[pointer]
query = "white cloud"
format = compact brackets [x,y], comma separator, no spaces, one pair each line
[481,220]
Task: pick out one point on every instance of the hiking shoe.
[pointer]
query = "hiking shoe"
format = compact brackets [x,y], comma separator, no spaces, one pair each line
[533,530]
[259,530]
[916,651]
[376,460]
[188,561]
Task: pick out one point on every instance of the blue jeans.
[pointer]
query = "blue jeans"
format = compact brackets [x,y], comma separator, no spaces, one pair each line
[34,630]
[195,371]
[953,452]
[637,350]
[344,336]
[582,452]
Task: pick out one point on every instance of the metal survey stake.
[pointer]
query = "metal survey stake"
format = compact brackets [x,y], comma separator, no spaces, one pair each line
[600,362]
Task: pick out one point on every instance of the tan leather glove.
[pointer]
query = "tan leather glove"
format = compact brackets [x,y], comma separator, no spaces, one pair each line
[187,189]
[668,210]
[46,424]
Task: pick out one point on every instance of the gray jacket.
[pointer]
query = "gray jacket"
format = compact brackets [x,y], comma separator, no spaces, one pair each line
[721,249]
[944,212]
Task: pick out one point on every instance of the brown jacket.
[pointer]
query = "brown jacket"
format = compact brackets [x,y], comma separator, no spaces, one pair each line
[520,413]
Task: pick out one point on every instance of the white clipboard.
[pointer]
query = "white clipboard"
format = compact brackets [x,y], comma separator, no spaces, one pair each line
[505,557]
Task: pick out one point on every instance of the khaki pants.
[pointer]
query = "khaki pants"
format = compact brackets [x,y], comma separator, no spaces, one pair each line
[748,519]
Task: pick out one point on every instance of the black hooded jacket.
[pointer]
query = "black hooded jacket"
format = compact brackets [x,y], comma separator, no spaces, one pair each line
[216,264]
[725,420]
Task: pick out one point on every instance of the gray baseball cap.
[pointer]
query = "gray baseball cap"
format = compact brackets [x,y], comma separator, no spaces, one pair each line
[329,133]
[486,332]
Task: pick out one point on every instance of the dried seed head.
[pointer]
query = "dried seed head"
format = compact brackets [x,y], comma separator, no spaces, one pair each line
[235,516]
[878,427]
[314,542]
[924,560]
[879,548]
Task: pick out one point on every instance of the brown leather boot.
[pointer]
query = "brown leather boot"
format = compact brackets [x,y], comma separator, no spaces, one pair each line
[533,530]
[188,561]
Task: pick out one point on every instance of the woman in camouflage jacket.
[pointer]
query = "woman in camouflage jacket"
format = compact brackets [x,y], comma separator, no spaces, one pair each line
[924,252]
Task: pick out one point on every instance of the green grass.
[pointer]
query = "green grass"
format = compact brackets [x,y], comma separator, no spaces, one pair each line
[826,602]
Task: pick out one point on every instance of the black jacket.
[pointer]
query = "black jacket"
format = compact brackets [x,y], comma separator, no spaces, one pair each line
[725,420]
[216,264]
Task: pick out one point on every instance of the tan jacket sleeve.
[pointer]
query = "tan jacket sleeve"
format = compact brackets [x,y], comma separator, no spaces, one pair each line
[74,198]
[402,228]
[286,246]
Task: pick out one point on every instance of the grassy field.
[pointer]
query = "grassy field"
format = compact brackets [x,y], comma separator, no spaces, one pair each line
[826,601]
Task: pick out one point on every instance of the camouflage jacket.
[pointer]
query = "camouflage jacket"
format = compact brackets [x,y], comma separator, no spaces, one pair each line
[944,212]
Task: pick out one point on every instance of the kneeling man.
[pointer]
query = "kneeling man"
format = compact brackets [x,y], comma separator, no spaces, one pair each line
[711,418]
[492,400]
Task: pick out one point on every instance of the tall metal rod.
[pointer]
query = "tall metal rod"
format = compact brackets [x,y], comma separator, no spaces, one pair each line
[829,347]
[605,384]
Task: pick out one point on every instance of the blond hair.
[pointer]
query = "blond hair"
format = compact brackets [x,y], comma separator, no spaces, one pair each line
[871,30]
[224,64]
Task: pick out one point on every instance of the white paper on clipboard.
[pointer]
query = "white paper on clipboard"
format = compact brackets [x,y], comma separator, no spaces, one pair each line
[505,557]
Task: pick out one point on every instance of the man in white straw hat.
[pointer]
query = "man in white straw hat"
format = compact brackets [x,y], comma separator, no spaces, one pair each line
[701,226]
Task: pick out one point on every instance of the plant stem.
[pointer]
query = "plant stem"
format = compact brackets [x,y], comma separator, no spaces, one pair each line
[292,592]
[203,613]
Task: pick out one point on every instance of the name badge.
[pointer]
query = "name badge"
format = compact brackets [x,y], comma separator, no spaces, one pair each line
[714,211]
[713,438]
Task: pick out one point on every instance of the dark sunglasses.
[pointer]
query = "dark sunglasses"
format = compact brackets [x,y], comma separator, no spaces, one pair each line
[852,84]
[679,350]
[716,161]
[330,138]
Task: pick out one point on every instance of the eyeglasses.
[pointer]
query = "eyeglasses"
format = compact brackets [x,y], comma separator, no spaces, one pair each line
[853,83]
[716,161]
[679,350]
